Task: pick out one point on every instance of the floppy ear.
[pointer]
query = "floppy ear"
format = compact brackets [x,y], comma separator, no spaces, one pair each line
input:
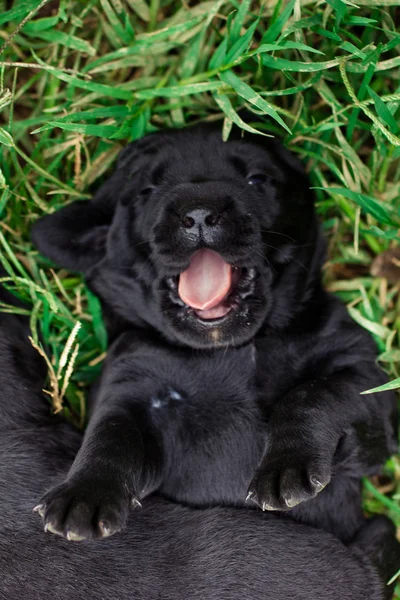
[75,236]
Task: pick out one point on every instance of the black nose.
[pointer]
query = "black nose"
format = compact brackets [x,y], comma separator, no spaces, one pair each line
[199,220]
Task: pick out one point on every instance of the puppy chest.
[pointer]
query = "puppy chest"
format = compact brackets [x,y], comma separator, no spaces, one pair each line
[212,434]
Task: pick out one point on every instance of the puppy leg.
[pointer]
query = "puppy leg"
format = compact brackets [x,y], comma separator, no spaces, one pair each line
[309,429]
[119,460]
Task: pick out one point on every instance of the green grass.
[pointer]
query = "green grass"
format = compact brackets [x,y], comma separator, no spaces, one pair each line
[82,78]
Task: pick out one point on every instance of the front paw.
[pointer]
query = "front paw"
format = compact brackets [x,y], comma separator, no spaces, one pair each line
[85,509]
[282,481]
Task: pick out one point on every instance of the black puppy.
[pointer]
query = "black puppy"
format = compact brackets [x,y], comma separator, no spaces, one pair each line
[232,371]
[168,551]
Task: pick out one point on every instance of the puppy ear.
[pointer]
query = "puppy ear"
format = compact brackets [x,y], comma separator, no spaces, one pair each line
[75,236]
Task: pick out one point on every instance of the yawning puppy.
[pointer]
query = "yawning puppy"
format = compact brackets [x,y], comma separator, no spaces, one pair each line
[231,371]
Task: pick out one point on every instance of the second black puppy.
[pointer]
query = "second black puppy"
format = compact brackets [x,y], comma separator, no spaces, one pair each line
[231,370]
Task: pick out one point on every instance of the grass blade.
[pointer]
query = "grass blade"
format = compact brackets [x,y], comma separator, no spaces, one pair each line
[246,92]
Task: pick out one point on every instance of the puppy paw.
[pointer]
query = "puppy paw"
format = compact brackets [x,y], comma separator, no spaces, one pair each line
[282,485]
[85,509]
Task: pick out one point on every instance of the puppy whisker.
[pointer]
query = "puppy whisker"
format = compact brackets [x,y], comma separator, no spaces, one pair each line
[278,233]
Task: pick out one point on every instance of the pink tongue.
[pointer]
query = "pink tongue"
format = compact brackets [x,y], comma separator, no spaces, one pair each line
[207,280]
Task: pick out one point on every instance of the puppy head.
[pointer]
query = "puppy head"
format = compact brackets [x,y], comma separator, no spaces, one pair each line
[190,234]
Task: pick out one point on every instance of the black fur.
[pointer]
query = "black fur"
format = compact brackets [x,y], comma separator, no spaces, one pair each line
[265,400]
[167,552]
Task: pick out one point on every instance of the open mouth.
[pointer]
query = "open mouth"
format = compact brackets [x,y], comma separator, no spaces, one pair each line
[210,287]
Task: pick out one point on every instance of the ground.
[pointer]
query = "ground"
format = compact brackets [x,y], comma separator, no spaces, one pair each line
[80,79]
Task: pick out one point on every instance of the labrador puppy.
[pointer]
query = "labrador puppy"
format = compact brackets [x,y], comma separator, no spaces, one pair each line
[168,552]
[231,373]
